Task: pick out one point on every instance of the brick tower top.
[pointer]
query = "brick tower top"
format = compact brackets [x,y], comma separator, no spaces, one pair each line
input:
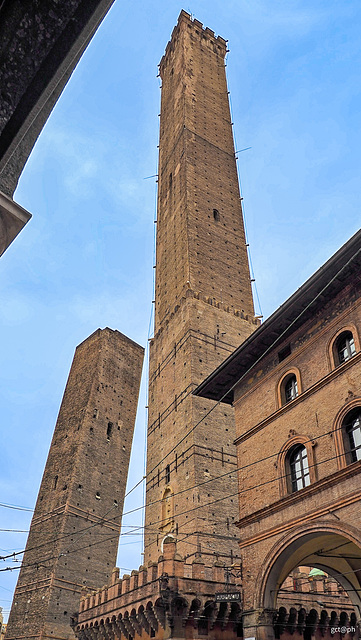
[200,236]
[184,18]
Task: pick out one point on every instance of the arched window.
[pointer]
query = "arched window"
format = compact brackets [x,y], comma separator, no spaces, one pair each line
[352,435]
[288,387]
[291,390]
[344,347]
[296,464]
[299,467]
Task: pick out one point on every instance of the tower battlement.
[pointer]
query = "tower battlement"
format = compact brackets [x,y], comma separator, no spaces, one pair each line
[133,606]
[205,34]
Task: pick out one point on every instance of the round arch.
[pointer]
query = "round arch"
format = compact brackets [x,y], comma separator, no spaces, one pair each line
[334,548]
[331,352]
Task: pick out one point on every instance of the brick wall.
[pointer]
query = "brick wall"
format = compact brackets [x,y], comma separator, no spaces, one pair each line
[203,302]
[74,533]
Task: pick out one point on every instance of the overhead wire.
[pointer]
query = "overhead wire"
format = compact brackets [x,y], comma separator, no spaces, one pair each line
[222,398]
[191,509]
[17,507]
[182,513]
[264,353]
[251,488]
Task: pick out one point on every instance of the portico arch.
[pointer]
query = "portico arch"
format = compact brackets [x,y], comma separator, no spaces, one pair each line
[334,548]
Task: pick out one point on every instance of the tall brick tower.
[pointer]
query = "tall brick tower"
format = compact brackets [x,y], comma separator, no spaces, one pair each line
[203,303]
[74,533]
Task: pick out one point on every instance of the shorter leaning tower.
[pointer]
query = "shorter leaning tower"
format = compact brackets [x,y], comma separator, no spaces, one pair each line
[74,534]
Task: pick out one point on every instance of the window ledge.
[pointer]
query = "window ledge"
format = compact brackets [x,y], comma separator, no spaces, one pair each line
[335,478]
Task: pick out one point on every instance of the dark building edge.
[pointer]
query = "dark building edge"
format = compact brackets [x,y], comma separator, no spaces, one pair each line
[30,111]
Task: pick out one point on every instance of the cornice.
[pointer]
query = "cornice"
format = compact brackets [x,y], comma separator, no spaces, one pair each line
[305,394]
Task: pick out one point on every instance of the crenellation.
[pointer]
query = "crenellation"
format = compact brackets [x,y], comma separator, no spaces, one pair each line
[125,583]
[170,563]
[147,608]
[198,33]
[133,584]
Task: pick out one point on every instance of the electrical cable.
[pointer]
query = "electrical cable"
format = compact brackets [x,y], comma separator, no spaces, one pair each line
[237,381]
[267,482]
[16,507]
[265,352]
[238,469]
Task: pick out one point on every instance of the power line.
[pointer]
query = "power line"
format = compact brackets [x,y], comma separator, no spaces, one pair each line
[67,535]
[267,350]
[192,509]
[16,507]
[236,470]
[320,293]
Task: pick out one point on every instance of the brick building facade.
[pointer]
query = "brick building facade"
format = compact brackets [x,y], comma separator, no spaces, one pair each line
[169,598]
[202,311]
[295,385]
[74,533]
[282,370]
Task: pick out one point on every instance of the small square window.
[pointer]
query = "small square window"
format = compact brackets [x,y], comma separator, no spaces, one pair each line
[284,353]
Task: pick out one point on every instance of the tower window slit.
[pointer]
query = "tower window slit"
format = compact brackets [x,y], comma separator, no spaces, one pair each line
[109,430]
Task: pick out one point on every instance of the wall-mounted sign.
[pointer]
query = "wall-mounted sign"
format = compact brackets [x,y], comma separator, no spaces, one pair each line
[228,597]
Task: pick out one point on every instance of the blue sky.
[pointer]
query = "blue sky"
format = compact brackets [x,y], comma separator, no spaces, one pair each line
[85,259]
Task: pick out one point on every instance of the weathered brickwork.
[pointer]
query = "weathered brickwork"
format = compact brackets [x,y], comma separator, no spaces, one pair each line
[172,598]
[324,390]
[300,511]
[329,507]
[169,598]
[200,316]
[200,238]
[203,302]
[74,533]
